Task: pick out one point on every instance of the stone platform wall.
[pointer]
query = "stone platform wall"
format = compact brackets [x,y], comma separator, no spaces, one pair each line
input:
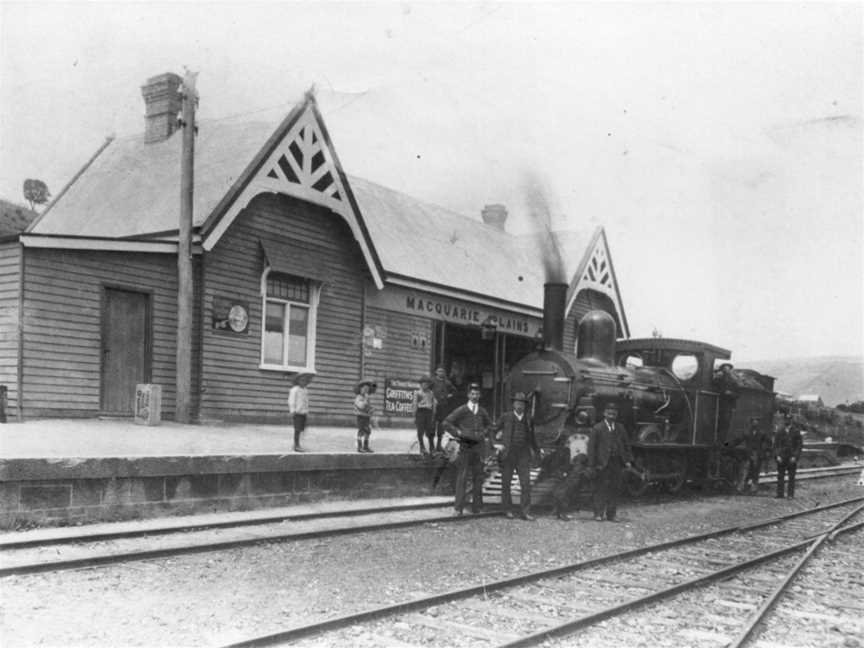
[73,491]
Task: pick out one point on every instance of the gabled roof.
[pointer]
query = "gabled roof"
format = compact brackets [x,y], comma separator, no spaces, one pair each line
[131,191]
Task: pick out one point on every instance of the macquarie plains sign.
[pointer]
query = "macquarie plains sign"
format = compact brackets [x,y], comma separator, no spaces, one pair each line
[454,311]
[399,396]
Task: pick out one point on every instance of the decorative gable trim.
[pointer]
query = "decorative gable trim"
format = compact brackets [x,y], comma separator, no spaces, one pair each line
[298,161]
[595,272]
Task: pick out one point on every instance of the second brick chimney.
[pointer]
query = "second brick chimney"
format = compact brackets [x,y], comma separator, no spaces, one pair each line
[495,215]
[162,102]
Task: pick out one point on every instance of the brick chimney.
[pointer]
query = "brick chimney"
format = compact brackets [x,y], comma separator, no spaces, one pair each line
[495,215]
[162,102]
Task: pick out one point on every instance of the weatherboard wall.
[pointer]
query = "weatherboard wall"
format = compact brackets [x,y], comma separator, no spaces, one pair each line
[10,277]
[234,387]
[62,347]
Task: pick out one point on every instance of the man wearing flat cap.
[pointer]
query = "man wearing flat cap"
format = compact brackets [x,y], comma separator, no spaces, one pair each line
[787,450]
[608,454]
[469,425]
[515,430]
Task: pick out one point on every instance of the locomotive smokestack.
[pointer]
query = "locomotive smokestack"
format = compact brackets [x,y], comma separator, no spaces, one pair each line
[595,338]
[554,302]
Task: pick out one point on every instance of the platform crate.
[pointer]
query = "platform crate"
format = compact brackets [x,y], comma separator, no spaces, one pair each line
[148,404]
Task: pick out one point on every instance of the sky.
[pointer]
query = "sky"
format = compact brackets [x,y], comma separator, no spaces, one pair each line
[718,144]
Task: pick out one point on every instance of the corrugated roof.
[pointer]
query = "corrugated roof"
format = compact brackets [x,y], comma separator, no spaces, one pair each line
[132,189]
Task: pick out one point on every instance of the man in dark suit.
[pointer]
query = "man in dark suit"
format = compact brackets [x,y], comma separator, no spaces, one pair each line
[754,446]
[787,450]
[469,424]
[608,453]
[516,432]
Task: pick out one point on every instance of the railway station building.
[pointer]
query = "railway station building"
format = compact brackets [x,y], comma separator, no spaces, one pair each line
[298,267]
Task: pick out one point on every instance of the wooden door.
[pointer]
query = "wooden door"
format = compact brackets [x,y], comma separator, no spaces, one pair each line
[125,348]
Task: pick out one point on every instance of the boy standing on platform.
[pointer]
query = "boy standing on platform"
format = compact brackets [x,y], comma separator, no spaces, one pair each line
[298,406]
[364,410]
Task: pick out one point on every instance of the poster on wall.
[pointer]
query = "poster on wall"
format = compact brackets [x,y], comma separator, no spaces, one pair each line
[399,396]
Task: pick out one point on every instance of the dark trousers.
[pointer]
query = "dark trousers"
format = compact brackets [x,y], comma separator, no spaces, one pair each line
[299,427]
[438,425]
[754,467]
[518,459]
[567,488]
[425,427]
[783,468]
[470,463]
[606,489]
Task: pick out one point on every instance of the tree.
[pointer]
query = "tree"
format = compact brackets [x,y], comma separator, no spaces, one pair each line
[36,192]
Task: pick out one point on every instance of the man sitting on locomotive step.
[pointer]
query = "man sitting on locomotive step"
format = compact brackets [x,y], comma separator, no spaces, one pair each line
[516,432]
[573,447]
[469,424]
[608,452]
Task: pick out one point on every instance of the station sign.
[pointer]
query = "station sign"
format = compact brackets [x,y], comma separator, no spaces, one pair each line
[454,311]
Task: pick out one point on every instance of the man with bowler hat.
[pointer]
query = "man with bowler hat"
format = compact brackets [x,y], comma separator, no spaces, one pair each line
[515,430]
[469,425]
[608,453]
[787,450]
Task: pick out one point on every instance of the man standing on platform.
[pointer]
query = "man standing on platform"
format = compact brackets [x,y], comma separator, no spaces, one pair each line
[608,453]
[787,451]
[516,432]
[298,406]
[469,424]
[443,390]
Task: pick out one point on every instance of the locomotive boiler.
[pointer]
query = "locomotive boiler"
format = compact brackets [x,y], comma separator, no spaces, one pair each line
[680,412]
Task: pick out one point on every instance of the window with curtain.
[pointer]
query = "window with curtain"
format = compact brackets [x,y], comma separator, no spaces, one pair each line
[288,337]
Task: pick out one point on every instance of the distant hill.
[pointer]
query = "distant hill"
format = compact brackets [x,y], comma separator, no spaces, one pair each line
[837,379]
[14,219]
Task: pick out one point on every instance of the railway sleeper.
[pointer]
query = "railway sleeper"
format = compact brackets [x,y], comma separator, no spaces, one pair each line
[460,629]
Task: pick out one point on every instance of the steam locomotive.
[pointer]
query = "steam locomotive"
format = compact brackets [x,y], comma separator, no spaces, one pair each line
[681,413]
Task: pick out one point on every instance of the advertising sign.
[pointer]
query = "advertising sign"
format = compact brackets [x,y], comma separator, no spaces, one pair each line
[399,396]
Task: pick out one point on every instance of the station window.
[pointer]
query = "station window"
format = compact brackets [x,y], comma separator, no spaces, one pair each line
[288,327]
[685,366]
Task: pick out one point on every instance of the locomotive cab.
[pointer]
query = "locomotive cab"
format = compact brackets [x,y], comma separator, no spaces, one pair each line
[690,366]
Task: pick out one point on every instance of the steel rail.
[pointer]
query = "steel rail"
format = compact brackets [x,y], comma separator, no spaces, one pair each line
[336,623]
[204,526]
[218,545]
[749,630]
[591,619]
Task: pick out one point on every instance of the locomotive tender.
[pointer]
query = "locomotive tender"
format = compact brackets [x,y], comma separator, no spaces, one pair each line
[681,414]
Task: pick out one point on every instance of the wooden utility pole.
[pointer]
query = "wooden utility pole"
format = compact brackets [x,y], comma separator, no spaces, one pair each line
[185,280]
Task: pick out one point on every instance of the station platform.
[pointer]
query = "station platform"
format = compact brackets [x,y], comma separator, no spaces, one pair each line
[72,471]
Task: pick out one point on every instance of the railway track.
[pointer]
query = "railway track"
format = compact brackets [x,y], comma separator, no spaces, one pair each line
[78,551]
[752,565]
[71,549]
